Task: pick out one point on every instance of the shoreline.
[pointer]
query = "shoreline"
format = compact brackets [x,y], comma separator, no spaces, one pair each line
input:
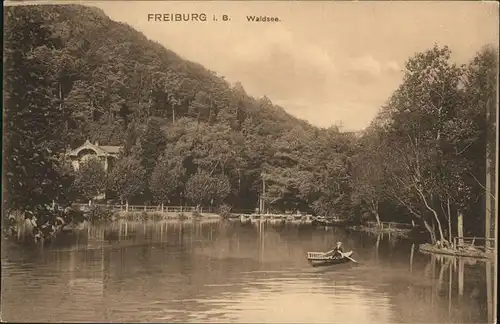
[477,254]
[164,215]
[405,232]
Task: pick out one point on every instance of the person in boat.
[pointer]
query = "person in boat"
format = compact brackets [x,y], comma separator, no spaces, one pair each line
[337,251]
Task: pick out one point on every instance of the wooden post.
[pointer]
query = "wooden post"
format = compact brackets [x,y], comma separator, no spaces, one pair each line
[262,195]
[460,227]
[488,200]
[495,212]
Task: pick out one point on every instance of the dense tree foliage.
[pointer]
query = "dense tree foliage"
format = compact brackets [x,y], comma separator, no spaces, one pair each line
[191,137]
[128,178]
[167,180]
[90,179]
[430,142]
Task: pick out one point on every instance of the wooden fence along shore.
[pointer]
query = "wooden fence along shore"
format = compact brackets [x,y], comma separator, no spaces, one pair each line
[204,212]
[149,208]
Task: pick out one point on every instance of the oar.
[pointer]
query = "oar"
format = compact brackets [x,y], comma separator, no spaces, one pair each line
[346,256]
[328,252]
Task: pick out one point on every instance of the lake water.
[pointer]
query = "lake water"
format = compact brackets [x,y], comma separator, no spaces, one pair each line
[226,271]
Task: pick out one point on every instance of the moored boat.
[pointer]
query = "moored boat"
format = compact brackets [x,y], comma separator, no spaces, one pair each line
[317,259]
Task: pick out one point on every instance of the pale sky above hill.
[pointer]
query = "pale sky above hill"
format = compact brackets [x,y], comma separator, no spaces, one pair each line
[325,62]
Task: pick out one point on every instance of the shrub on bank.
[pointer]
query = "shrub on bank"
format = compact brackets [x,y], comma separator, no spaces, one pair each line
[98,213]
[225,211]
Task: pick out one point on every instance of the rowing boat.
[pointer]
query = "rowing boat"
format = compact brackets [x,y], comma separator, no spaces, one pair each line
[317,259]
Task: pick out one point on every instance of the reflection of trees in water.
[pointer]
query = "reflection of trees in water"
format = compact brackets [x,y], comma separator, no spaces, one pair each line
[197,254]
[435,288]
[165,262]
[454,288]
[175,276]
[463,283]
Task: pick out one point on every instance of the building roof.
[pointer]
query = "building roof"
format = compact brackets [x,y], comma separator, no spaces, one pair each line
[111,149]
[99,150]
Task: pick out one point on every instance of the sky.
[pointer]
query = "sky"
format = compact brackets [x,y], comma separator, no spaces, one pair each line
[325,62]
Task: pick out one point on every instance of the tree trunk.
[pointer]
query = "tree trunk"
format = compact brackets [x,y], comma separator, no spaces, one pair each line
[434,213]
[375,211]
[377,216]
[431,231]
[449,221]
[438,222]
[126,205]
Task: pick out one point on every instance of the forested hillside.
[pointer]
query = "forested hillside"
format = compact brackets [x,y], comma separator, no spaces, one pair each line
[190,137]
[91,78]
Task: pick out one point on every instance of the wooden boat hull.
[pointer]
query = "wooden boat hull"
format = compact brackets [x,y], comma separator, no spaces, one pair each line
[316,259]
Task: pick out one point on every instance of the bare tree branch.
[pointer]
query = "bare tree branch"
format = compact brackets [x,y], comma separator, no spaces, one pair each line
[483,187]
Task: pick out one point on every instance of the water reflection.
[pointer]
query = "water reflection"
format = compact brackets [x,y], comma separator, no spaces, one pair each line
[228,272]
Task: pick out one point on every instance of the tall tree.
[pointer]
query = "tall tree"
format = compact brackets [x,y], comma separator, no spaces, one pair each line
[34,118]
[128,178]
[204,188]
[90,179]
[166,181]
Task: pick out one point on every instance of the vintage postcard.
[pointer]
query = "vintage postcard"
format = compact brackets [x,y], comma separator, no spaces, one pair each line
[250,161]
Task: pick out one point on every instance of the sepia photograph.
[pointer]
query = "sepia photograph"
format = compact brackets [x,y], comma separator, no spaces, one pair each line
[250,162]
